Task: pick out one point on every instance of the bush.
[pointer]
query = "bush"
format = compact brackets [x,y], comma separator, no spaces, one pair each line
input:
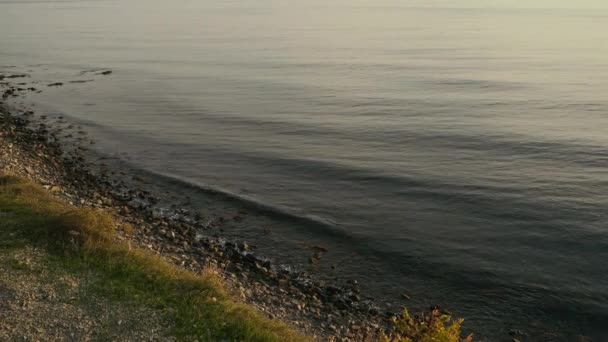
[434,326]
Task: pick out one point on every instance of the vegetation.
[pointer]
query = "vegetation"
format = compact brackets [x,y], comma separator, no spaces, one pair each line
[197,306]
[435,326]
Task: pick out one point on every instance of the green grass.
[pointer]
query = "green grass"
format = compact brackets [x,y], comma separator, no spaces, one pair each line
[197,307]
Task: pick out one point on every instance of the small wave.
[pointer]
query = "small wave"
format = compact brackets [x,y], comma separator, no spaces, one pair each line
[319,224]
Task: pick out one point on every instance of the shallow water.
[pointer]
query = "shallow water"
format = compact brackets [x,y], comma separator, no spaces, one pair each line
[456,153]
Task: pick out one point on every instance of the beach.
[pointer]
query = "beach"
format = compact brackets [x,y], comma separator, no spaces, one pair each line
[30,149]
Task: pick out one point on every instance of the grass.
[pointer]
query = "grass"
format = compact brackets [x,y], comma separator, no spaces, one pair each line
[197,306]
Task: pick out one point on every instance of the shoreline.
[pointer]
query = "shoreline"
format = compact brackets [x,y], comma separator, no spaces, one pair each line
[31,149]
[68,277]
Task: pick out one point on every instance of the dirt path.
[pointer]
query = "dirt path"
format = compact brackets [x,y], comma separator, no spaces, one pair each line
[40,301]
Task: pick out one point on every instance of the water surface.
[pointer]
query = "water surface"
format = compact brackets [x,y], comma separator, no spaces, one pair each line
[456,152]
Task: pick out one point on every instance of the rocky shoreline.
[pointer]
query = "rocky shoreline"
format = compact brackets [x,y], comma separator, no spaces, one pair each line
[32,148]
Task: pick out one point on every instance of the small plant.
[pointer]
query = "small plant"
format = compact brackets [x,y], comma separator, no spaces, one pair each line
[434,326]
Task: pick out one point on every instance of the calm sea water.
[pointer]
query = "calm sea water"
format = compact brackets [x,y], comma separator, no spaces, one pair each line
[453,150]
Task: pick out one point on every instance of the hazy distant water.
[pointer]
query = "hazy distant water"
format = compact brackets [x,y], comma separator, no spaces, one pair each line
[463,148]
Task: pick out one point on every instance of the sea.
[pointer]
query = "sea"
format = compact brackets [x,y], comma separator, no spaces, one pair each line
[450,152]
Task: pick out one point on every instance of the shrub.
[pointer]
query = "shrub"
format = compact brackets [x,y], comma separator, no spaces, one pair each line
[434,326]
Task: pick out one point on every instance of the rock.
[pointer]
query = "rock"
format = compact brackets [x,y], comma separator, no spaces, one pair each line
[55,188]
[354,298]
[331,289]
[251,258]
[516,332]
[156,214]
